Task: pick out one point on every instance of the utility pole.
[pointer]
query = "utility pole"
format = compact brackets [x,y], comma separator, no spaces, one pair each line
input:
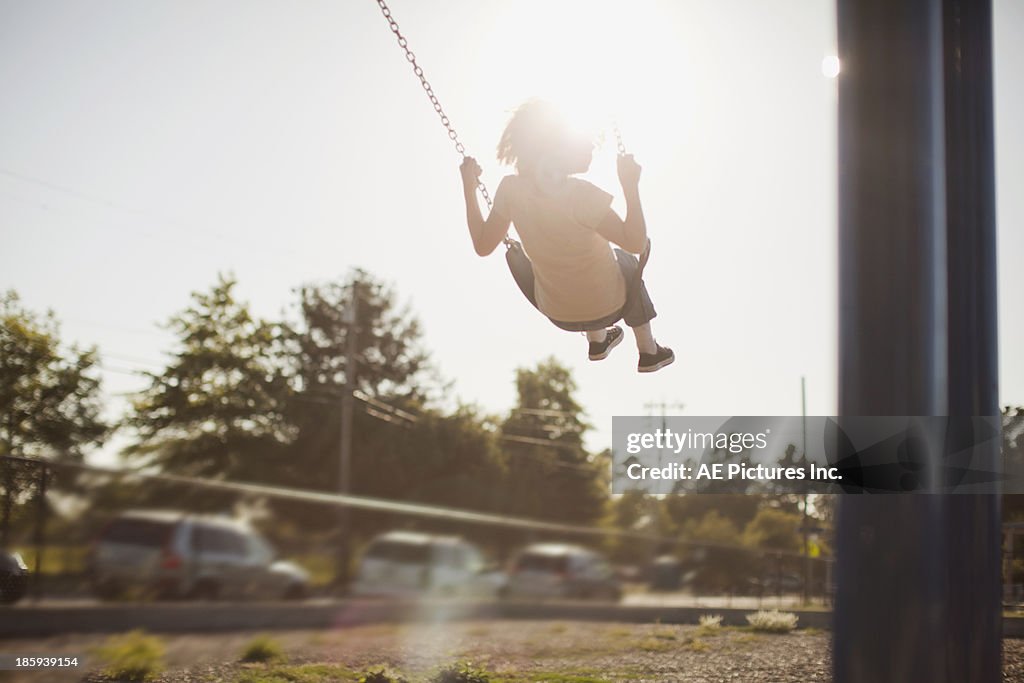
[918,576]
[663,407]
[350,317]
[806,519]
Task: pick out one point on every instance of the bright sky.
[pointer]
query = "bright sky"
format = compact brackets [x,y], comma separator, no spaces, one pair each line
[147,146]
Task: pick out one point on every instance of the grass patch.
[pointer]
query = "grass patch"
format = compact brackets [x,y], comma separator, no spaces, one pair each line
[70,559]
[550,677]
[652,644]
[664,633]
[263,649]
[382,675]
[134,657]
[773,621]
[697,645]
[461,672]
[710,622]
[302,673]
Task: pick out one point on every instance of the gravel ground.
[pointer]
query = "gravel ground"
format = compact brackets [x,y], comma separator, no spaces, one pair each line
[512,651]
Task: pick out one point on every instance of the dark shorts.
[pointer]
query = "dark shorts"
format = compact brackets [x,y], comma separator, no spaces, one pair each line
[637,311]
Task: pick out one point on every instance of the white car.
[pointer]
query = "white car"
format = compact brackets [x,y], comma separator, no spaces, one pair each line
[405,564]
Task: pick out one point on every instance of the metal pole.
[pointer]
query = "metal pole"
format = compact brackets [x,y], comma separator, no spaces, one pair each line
[805,524]
[39,541]
[889,615]
[351,319]
[974,626]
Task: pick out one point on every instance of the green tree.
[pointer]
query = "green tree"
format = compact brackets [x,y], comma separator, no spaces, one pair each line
[713,556]
[49,399]
[217,410]
[774,529]
[392,373]
[636,511]
[551,475]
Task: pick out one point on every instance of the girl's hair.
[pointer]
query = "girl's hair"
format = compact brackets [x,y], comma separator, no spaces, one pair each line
[536,129]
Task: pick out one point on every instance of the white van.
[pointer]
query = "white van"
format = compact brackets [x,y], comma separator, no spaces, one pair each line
[405,563]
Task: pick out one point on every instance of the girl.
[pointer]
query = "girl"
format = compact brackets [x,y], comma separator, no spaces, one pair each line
[567,228]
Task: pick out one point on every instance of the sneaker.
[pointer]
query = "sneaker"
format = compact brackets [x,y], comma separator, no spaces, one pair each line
[600,350]
[649,362]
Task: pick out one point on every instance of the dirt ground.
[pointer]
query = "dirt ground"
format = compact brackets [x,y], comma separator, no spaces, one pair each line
[513,651]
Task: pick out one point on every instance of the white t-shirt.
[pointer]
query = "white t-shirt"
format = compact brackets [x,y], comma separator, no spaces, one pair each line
[576,276]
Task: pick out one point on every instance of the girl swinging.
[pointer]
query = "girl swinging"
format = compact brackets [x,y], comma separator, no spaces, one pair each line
[568,228]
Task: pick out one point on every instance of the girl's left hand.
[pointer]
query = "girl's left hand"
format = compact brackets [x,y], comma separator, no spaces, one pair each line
[470,171]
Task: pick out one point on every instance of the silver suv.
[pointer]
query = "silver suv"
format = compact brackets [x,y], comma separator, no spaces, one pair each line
[172,554]
[406,564]
[557,570]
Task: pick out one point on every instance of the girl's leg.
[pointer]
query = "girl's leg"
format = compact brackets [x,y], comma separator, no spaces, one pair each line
[597,335]
[645,342]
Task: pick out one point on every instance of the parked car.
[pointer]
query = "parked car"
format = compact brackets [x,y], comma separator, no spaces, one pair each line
[556,570]
[173,554]
[13,577]
[403,563]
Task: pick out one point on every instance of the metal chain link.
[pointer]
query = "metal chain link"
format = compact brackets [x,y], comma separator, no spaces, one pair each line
[410,57]
[618,138]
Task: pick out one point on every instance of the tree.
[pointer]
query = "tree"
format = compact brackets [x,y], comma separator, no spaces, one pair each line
[774,529]
[391,368]
[550,473]
[714,564]
[49,399]
[217,410]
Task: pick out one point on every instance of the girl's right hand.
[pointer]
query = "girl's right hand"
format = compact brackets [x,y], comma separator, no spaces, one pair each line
[470,171]
[629,172]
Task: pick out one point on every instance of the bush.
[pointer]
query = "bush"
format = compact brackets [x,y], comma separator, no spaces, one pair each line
[262,649]
[133,656]
[461,673]
[773,621]
[710,622]
[381,676]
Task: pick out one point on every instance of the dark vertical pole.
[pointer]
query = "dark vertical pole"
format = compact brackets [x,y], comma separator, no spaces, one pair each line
[805,525]
[973,520]
[889,614]
[351,319]
[5,514]
[40,538]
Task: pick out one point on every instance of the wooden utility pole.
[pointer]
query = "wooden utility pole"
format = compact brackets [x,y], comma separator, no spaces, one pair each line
[350,317]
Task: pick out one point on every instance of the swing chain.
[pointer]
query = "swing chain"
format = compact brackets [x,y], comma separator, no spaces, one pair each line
[410,56]
[618,138]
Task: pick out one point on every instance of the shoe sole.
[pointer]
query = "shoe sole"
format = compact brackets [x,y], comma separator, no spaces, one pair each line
[615,342]
[657,366]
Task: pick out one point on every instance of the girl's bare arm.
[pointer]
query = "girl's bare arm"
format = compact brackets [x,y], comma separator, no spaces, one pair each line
[631,233]
[486,234]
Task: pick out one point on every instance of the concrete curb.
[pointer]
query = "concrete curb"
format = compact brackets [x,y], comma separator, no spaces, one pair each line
[32,621]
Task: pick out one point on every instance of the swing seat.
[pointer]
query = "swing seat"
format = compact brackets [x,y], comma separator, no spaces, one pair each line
[521,267]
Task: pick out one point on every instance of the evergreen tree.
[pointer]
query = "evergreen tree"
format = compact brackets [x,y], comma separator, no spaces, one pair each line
[217,410]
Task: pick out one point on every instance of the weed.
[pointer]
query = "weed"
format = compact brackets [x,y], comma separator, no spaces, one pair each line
[132,656]
[462,672]
[773,621]
[262,648]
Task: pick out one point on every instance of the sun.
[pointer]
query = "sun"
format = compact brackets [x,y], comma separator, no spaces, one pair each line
[575,54]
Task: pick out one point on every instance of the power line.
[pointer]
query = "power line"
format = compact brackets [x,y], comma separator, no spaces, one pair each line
[391,506]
